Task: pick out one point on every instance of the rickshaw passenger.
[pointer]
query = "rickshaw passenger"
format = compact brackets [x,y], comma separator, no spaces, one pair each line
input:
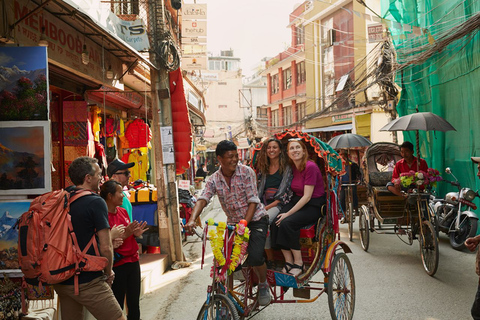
[274,179]
[409,162]
[304,208]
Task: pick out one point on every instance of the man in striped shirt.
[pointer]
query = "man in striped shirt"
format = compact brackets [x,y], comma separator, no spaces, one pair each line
[236,187]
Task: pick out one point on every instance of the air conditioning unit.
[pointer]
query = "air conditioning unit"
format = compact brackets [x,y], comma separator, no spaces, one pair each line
[331,37]
[375,94]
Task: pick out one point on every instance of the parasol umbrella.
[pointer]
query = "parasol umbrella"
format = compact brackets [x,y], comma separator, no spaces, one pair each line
[349,140]
[425,121]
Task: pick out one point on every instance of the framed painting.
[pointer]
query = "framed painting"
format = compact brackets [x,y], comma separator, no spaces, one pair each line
[25,167]
[24,86]
[10,211]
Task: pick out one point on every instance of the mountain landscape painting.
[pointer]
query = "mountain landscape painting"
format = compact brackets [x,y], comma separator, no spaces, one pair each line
[24,157]
[23,83]
[9,214]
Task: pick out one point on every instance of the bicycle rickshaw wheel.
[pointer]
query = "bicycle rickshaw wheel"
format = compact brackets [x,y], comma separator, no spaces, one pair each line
[220,307]
[341,288]
[429,248]
[364,228]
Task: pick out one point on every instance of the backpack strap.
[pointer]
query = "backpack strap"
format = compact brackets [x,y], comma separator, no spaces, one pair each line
[73,197]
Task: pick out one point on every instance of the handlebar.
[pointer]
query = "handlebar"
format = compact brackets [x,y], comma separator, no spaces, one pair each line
[453,183]
[229,227]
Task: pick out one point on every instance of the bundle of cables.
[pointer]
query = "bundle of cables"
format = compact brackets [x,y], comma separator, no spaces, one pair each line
[168,52]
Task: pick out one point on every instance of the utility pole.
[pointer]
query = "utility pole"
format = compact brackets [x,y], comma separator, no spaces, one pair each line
[168,219]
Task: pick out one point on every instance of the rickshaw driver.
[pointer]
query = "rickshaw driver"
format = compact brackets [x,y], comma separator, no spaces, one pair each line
[236,187]
[409,162]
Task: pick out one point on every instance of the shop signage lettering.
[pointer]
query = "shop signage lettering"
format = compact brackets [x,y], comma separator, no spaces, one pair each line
[65,44]
[342,118]
[194,11]
[194,28]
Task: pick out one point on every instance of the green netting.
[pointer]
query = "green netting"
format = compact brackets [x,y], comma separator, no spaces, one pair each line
[440,73]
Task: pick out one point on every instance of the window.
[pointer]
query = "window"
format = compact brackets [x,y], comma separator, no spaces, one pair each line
[301,110]
[287,115]
[275,118]
[220,106]
[301,73]
[261,113]
[287,79]
[125,7]
[300,35]
[274,82]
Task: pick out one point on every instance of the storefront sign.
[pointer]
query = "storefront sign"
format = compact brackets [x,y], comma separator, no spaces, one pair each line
[132,32]
[184,184]
[375,32]
[65,44]
[194,63]
[342,118]
[194,40]
[194,49]
[194,28]
[194,11]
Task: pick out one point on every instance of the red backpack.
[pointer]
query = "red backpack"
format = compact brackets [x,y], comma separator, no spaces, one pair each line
[48,250]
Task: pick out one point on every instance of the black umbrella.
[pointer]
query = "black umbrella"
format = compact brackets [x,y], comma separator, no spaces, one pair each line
[425,121]
[349,140]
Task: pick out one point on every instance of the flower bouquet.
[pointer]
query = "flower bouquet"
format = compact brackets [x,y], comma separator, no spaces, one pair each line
[420,179]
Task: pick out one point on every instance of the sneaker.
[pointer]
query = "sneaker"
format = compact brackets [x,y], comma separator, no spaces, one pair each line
[264,296]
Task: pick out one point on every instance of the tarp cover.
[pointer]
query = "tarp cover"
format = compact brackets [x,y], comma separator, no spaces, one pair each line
[440,68]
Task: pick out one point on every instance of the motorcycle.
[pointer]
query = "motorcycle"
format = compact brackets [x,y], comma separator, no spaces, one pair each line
[453,216]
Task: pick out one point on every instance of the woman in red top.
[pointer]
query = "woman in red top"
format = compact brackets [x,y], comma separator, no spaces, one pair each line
[126,260]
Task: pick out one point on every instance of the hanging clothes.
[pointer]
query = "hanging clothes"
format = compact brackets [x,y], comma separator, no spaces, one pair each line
[138,134]
[139,170]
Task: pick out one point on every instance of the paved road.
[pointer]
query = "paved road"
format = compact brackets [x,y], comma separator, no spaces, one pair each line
[390,284]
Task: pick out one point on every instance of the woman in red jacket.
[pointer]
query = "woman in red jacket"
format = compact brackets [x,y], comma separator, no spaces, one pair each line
[126,260]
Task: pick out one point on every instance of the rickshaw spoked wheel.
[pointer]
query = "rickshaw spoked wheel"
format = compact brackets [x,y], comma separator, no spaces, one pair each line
[341,288]
[364,228]
[429,247]
[220,307]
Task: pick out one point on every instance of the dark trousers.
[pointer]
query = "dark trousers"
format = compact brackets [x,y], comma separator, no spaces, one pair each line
[343,197]
[127,282]
[287,235]
[476,305]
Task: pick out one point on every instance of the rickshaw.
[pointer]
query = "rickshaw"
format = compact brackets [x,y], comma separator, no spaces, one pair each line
[408,217]
[234,296]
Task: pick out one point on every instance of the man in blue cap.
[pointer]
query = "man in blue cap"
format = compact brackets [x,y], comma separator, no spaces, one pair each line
[118,170]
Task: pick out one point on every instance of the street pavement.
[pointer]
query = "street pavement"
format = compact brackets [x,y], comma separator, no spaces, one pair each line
[390,283]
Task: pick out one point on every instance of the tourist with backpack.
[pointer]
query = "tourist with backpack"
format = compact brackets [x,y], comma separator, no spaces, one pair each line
[89,217]
[126,263]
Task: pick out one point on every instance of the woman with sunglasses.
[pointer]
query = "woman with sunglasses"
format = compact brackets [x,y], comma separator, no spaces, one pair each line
[126,259]
[304,209]
[274,178]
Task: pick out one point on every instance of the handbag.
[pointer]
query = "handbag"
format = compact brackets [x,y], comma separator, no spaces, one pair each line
[269,194]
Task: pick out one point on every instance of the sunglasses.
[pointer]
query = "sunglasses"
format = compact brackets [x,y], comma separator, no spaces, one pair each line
[127,173]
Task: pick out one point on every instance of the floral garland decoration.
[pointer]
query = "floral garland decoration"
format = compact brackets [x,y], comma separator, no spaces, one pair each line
[224,265]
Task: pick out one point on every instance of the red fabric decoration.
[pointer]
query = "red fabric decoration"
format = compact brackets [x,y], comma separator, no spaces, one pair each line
[182,132]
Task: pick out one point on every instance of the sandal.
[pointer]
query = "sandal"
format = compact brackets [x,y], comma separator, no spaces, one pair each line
[288,266]
[296,266]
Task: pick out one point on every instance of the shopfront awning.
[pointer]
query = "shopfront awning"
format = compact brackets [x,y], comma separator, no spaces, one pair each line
[340,127]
